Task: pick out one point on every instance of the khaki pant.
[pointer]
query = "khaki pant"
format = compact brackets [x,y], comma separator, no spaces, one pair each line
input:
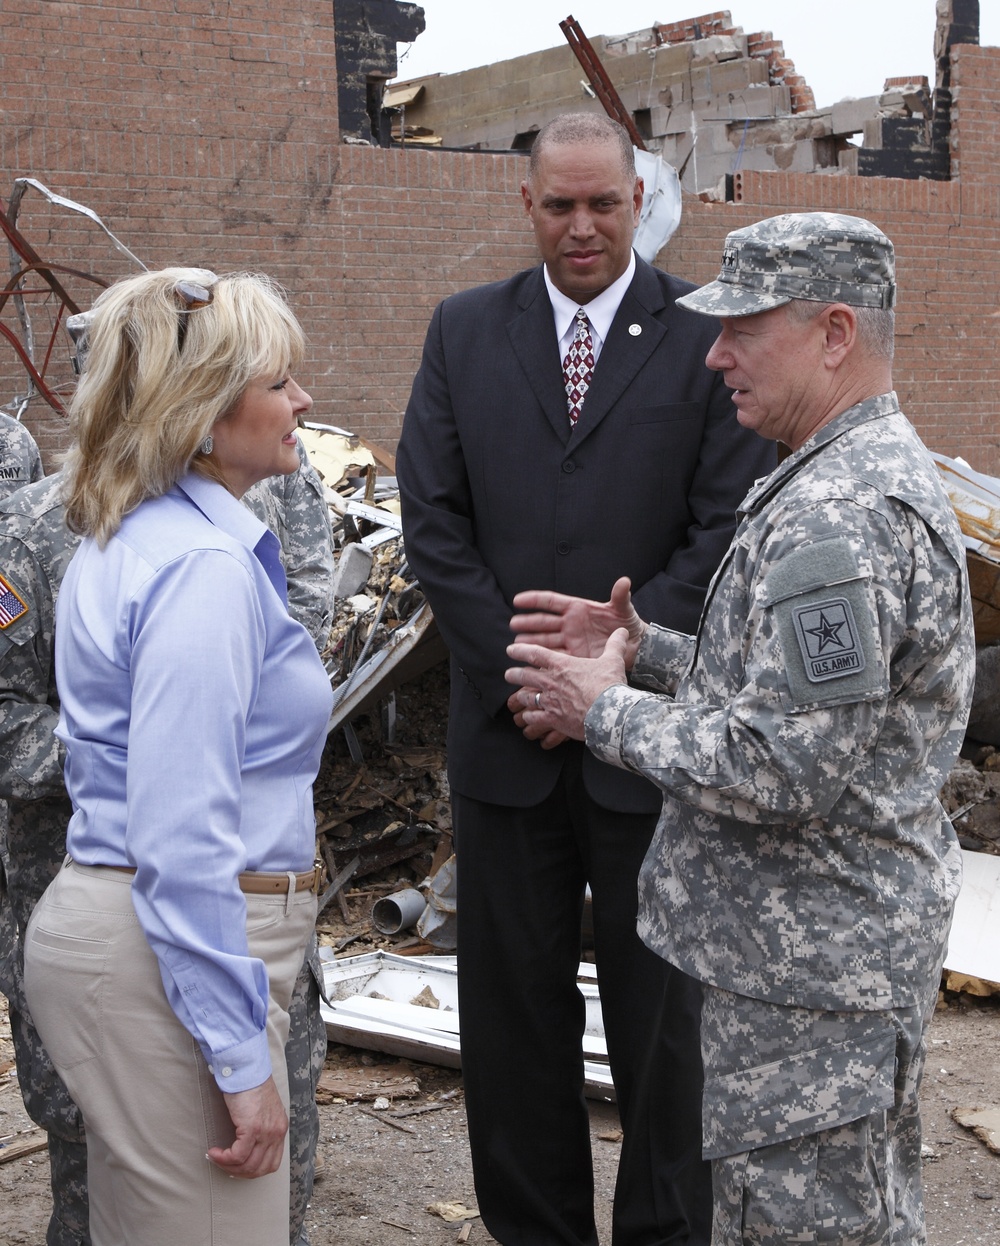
[150,1105]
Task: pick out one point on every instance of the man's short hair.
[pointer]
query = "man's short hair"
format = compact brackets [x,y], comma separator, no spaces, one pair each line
[876,325]
[583,127]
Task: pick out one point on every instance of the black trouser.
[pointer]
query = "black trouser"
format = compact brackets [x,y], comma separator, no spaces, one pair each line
[521,880]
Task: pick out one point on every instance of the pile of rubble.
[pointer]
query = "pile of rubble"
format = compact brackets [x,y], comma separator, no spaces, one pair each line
[383,820]
[708,97]
[382,797]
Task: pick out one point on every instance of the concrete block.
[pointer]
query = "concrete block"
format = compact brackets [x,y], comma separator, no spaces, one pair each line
[873,134]
[784,130]
[800,157]
[353,567]
[732,77]
[848,160]
[891,101]
[680,91]
[905,133]
[757,101]
[675,120]
[718,136]
[672,59]
[719,48]
[503,98]
[704,171]
[849,116]
[676,148]
[701,84]
[918,101]
[659,119]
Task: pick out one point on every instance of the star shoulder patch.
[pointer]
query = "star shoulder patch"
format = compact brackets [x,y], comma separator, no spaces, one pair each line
[824,612]
[828,639]
[12,607]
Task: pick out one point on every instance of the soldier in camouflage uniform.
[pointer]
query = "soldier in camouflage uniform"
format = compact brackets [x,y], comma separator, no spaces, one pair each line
[20,462]
[294,508]
[804,869]
[35,549]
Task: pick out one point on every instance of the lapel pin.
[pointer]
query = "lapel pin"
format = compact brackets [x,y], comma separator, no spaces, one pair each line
[635,329]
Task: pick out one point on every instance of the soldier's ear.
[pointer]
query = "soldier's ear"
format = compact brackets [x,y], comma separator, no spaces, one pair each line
[840,326]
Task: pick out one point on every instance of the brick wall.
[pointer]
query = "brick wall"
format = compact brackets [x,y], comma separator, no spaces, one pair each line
[948,312]
[409,228]
[150,113]
[201,131]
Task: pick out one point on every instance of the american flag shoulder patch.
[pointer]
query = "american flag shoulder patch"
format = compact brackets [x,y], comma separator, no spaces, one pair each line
[11,605]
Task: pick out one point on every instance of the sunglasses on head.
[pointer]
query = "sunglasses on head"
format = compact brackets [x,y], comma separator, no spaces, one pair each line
[190,296]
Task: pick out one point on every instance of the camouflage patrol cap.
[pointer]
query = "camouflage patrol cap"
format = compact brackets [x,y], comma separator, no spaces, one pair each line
[821,256]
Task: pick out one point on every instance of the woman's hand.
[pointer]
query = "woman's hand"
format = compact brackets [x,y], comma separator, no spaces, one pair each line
[261,1123]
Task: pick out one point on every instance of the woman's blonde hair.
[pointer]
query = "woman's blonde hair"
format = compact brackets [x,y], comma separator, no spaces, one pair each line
[161,368]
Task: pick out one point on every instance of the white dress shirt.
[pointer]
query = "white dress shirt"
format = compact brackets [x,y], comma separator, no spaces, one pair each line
[600,310]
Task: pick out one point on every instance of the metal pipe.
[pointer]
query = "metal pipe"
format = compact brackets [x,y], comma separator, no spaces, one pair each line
[604,88]
[398,912]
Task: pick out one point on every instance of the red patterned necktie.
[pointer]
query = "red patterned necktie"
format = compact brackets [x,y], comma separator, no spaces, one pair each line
[578,366]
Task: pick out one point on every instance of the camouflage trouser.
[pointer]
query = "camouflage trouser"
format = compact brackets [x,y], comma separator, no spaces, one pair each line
[46,1099]
[305,1053]
[33,850]
[812,1124]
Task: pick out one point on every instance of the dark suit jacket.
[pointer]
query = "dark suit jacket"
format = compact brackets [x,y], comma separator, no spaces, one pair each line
[500,495]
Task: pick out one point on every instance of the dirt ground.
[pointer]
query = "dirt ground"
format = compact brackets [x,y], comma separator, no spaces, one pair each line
[384,1167]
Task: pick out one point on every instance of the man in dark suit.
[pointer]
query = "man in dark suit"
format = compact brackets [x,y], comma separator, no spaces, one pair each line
[563,431]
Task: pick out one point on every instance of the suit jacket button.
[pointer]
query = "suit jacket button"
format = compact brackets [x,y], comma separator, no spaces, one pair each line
[569,466]
[562,547]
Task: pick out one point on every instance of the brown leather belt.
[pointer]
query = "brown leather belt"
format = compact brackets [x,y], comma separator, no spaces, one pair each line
[277,884]
[265,884]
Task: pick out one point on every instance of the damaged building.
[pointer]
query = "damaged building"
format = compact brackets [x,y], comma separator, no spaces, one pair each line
[708,97]
[366,33]
[251,139]
[264,140]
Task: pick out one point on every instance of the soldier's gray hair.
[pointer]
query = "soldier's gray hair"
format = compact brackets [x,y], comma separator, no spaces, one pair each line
[583,127]
[876,325]
[162,366]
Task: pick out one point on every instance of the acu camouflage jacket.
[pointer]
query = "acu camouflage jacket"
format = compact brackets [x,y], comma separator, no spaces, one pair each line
[803,856]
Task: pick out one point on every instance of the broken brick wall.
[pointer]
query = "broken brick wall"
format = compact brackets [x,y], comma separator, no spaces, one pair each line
[436,222]
[408,228]
[150,113]
[201,131]
[447,220]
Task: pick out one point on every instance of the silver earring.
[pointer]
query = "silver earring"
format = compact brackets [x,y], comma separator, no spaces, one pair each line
[207,445]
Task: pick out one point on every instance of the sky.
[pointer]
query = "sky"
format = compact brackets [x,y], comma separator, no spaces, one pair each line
[845,49]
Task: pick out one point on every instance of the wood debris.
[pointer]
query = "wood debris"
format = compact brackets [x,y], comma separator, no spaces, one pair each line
[983,1122]
[387,1120]
[393,1081]
[453,1211]
[27,1144]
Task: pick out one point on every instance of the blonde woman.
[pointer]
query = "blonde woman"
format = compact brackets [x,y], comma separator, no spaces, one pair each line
[160,962]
